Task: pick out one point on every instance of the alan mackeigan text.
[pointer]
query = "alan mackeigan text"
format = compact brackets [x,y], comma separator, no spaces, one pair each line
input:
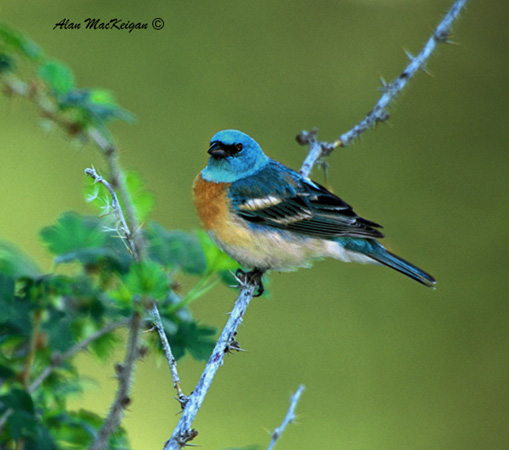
[98,24]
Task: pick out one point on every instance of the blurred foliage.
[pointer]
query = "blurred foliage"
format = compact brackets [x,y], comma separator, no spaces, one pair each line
[27,70]
[46,317]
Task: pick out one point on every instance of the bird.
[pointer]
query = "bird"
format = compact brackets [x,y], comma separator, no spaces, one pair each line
[269,217]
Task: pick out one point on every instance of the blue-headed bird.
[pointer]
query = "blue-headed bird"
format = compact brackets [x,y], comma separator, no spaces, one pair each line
[267,216]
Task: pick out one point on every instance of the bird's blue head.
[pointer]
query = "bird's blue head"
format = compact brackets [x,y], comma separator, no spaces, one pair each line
[233,156]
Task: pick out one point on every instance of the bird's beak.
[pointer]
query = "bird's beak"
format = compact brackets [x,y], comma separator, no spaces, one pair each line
[216,150]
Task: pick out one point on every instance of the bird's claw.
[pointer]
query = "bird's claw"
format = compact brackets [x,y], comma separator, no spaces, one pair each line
[253,277]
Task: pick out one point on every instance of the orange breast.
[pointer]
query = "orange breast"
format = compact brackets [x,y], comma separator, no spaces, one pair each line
[211,201]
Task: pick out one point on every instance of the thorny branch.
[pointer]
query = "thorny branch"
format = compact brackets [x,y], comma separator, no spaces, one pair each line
[49,110]
[390,91]
[172,362]
[110,154]
[126,374]
[115,204]
[154,311]
[183,432]
[289,418]
[125,371]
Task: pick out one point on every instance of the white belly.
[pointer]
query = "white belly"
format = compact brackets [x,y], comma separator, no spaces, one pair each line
[274,250]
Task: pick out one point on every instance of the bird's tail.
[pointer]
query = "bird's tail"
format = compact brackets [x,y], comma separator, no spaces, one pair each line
[380,254]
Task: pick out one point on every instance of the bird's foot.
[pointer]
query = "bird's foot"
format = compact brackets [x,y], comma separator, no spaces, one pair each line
[253,277]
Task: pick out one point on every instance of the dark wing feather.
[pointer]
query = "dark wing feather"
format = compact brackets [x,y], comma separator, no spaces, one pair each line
[279,197]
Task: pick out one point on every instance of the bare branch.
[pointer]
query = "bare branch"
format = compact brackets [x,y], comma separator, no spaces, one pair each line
[134,250]
[116,412]
[183,433]
[289,418]
[125,371]
[110,154]
[172,362]
[49,109]
[115,204]
[125,374]
[390,92]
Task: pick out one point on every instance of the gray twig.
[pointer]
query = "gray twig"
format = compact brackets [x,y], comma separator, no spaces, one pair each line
[125,374]
[289,418]
[115,204]
[390,92]
[183,432]
[49,110]
[172,362]
[110,154]
[125,371]
[134,250]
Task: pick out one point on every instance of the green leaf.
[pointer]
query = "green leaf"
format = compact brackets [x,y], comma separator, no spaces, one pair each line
[104,346]
[73,232]
[175,248]
[147,279]
[6,288]
[194,338]
[216,259]
[90,256]
[58,75]
[167,308]
[14,41]
[15,316]
[16,263]
[42,440]
[97,105]
[18,400]
[142,199]
[77,429]
[101,97]
[104,105]
[22,422]
[58,329]
[77,297]
[123,297]
[227,278]
[6,373]
[85,239]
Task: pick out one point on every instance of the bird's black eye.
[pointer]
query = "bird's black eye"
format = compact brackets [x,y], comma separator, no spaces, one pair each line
[220,150]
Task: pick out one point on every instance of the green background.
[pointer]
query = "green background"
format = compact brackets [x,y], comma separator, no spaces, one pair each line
[387,363]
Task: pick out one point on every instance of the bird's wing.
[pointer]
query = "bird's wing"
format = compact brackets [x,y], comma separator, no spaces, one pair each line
[281,198]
